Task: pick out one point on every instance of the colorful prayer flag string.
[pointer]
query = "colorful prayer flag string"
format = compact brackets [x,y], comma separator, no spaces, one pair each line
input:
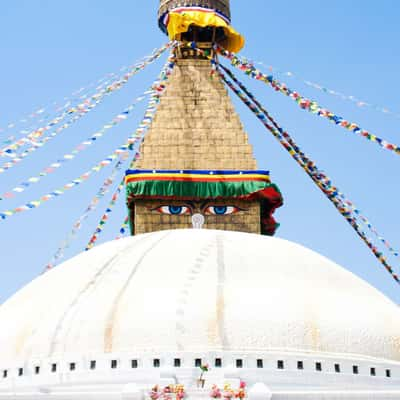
[16,158]
[104,189]
[322,181]
[347,202]
[104,218]
[123,229]
[78,149]
[304,103]
[75,182]
[45,110]
[82,109]
[158,91]
[158,88]
[320,175]
[335,93]
[101,92]
[67,101]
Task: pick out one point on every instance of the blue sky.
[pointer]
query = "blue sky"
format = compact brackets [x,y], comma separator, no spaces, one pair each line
[50,48]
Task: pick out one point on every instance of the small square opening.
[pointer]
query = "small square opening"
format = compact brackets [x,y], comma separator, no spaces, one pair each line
[177,362]
[72,366]
[260,363]
[54,367]
[20,371]
[93,364]
[114,364]
[373,371]
[280,364]
[355,369]
[5,373]
[318,366]
[388,373]
[239,363]
[197,362]
[218,363]
[156,363]
[300,365]
[37,370]
[134,363]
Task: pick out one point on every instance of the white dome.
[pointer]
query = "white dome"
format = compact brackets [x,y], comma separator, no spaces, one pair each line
[198,290]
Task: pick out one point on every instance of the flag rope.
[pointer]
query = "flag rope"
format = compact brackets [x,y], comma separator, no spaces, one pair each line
[149,115]
[304,103]
[34,138]
[319,178]
[21,187]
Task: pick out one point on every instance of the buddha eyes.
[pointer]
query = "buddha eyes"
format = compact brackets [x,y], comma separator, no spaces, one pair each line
[221,210]
[174,210]
[187,210]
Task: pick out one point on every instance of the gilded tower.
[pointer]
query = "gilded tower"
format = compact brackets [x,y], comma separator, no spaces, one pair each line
[196,160]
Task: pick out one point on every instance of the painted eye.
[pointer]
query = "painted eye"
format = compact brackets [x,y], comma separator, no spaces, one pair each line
[222,210]
[173,210]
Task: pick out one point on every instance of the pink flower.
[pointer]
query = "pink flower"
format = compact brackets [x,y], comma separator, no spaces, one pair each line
[180,392]
[215,392]
[154,394]
[180,395]
[167,389]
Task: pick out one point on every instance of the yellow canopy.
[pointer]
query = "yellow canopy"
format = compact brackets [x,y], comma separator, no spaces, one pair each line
[180,23]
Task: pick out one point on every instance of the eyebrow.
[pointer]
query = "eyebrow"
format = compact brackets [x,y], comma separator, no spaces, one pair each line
[212,202]
[166,203]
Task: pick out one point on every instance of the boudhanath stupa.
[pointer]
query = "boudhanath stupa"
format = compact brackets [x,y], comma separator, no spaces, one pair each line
[201,301]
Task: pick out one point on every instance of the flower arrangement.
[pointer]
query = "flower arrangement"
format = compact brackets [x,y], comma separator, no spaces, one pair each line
[215,392]
[241,392]
[166,393]
[170,392]
[204,368]
[201,381]
[154,393]
[228,393]
[180,392]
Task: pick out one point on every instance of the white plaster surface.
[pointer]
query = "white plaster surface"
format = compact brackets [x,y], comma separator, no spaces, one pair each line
[198,290]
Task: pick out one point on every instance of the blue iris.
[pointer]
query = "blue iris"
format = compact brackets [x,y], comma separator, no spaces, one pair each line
[220,210]
[175,210]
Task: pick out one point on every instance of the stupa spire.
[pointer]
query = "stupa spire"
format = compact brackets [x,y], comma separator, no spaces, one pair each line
[196,162]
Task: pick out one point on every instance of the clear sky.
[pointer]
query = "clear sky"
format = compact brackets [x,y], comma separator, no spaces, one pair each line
[50,48]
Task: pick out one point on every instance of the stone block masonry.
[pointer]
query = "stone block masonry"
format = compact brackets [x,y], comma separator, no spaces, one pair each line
[195,128]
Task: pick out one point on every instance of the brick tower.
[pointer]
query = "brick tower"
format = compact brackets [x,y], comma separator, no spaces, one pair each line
[196,158]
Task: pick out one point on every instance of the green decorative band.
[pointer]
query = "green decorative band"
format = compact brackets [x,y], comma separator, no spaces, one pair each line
[194,190]
[193,185]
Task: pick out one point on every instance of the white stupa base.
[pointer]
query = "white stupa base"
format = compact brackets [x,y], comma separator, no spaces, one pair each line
[267,383]
[124,392]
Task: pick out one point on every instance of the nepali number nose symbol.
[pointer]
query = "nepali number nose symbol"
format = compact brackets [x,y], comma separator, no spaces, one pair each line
[198,221]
